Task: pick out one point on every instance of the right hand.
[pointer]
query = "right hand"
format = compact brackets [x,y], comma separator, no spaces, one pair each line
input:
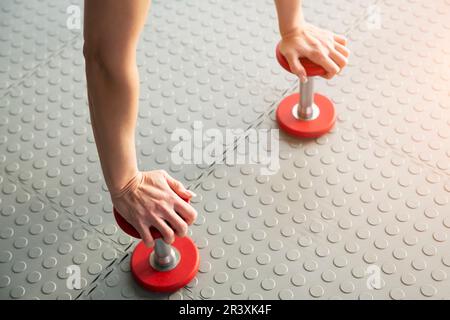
[155,199]
[321,46]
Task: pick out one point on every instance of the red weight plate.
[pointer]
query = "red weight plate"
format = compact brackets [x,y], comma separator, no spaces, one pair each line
[166,281]
[311,68]
[306,129]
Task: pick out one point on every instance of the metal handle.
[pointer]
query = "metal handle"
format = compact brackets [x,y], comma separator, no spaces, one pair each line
[164,256]
[305,110]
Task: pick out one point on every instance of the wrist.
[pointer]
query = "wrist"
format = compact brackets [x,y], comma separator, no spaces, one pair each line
[293,32]
[130,186]
[295,29]
[116,183]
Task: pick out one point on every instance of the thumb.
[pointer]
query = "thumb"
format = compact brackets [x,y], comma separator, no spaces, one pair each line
[146,236]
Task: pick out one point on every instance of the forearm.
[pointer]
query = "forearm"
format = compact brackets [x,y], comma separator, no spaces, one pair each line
[290,16]
[111,33]
[113,105]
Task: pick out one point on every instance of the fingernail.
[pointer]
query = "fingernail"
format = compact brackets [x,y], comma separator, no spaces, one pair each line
[304,79]
[192,193]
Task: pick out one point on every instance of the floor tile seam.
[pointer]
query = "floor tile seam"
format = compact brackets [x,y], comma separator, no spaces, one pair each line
[85,225]
[49,203]
[17,83]
[366,136]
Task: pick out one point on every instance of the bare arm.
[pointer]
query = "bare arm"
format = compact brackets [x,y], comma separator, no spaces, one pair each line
[290,16]
[111,33]
[301,39]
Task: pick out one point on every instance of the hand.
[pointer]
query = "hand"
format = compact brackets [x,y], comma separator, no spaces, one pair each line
[154,198]
[318,45]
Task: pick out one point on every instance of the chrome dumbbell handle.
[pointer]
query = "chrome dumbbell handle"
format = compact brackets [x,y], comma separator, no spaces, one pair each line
[305,111]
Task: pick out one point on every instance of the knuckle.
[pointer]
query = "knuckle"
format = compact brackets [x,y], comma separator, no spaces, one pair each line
[171,198]
[293,57]
[138,216]
[289,53]
[315,45]
[136,220]
[317,51]
[323,61]
[183,228]
[156,203]
[149,206]
[162,172]
[147,218]
[168,234]
[166,209]
[295,69]
[161,206]
[325,51]
[177,183]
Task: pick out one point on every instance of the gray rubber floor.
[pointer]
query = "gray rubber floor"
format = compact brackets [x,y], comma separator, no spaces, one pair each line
[360,213]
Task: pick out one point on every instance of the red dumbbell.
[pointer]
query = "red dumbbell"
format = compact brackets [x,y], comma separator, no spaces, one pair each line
[305,114]
[163,268]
